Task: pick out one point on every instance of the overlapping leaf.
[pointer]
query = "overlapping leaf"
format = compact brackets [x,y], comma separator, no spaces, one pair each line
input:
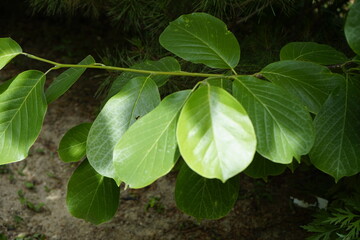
[65,80]
[202,38]
[72,147]
[138,97]
[166,64]
[90,196]
[205,198]
[8,50]
[309,82]
[261,167]
[22,111]
[147,150]
[312,52]
[352,27]
[337,146]
[225,83]
[215,135]
[283,127]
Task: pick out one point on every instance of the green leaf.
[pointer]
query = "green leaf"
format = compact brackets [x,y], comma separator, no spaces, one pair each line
[202,38]
[309,82]
[312,52]
[147,151]
[65,80]
[5,85]
[337,145]
[205,198]
[224,83]
[166,64]
[90,196]
[22,111]
[8,50]
[215,135]
[261,167]
[72,147]
[352,27]
[283,127]
[138,97]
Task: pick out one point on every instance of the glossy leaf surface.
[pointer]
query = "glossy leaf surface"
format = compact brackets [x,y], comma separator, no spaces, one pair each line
[147,150]
[202,38]
[72,147]
[22,111]
[309,82]
[215,135]
[312,52]
[138,97]
[352,27]
[205,198]
[283,126]
[337,145]
[65,80]
[90,196]
[8,50]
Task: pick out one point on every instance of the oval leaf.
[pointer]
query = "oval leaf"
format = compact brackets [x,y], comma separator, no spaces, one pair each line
[283,127]
[147,151]
[72,147]
[352,27]
[90,196]
[261,167]
[215,135]
[65,80]
[8,50]
[312,52]
[337,145]
[138,97]
[205,198]
[309,82]
[202,38]
[22,111]
[166,64]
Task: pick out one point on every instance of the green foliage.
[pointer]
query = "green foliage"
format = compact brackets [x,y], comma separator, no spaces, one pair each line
[352,28]
[226,124]
[8,50]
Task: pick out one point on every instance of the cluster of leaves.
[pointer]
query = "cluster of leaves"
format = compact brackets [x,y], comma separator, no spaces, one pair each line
[226,124]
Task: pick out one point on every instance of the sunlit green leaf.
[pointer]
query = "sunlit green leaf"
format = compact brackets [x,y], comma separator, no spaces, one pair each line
[166,64]
[72,147]
[352,27]
[215,135]
[202,38]
[309,82]
[224,83]
[312,52]
[65,80]
[261,167]
[138,97]
[8,50]
[147,150]
[90,196]
[205,198]
[337,144]
[22,111]
[283,126]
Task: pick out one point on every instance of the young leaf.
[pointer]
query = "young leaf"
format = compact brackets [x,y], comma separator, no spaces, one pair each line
[205,198]
[312,52]
[215,135]
[166,64]
[8,50]
[72,147]
[138,97]
[22,111]
[261,167]
[310,82]
[352,27]
[65,80]
[283,127]
[202,38]
[337,144]
[90,196]
[147,150]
